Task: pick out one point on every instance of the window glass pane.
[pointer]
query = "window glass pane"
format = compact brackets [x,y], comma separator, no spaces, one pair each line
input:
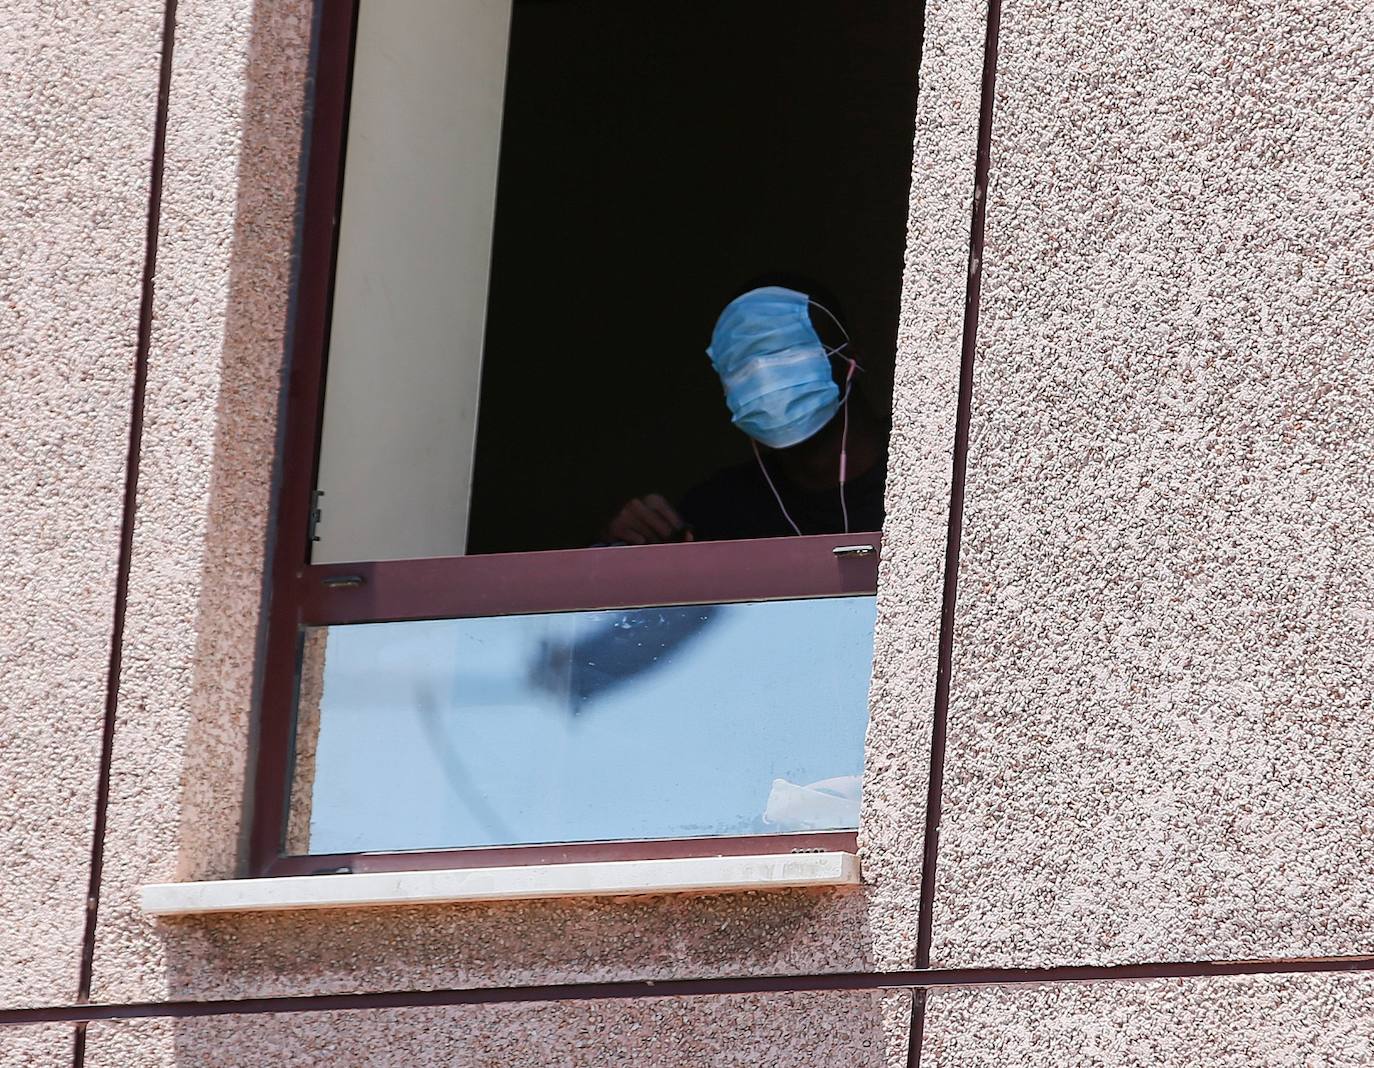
[730,719]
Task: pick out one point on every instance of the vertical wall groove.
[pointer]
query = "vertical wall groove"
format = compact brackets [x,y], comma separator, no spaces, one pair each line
[945,657]
[126,533]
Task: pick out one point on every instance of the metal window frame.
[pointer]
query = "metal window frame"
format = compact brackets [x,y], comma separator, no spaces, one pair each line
[301,594]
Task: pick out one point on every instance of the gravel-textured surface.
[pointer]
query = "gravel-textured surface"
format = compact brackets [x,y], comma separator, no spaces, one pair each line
[776,1031]
[1271,1021]
[1159,742]
[77,105]
[181,740]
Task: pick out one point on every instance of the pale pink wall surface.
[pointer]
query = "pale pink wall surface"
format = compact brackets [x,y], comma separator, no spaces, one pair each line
[902,694]
[780,1031]
[1257,1021]
[181,738]
[36,1045]
[77,93]
[1159,734]
[1158,731]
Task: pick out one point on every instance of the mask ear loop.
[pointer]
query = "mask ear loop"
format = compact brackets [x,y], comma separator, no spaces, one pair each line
[776,495]
[844,442]
[833,318]
[844,403]
[844,434]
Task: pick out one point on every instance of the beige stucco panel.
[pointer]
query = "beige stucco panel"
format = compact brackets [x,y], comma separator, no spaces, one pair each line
[36,1045]
[181,740]
[78,94]
[919,464]
[183,729]
[1271,1021]
[771,932]
[895,1007]
[779,1031]
[1159,742]
[309,697]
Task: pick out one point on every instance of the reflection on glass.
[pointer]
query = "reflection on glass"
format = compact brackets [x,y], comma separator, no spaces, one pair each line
[643,723]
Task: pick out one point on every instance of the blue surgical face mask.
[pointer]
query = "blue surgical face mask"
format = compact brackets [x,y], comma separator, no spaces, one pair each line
[775,370]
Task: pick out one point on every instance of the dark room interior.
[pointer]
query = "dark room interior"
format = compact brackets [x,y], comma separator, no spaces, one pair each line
[654,159]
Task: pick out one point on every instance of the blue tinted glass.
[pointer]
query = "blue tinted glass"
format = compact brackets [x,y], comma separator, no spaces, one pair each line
[645,723]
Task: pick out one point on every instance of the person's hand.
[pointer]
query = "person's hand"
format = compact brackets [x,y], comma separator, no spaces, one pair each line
[648,521]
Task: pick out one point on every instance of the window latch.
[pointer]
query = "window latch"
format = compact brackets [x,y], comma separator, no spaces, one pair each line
[342,582]
[854,550]
[313,531]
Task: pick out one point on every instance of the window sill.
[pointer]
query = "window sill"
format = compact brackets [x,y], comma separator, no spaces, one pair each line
[618,878]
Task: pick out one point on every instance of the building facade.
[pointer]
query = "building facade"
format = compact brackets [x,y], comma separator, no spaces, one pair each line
[1117,807]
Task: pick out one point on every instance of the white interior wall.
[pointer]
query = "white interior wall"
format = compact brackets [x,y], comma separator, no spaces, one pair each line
[411,282]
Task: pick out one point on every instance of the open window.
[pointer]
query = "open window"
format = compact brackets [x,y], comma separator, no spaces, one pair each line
[521,222]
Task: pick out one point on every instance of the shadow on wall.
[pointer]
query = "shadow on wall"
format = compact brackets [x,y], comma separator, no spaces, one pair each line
[339,951]
[773,1030]
[250,367]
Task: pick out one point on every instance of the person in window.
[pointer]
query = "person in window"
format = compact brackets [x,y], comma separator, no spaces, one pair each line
[820,455]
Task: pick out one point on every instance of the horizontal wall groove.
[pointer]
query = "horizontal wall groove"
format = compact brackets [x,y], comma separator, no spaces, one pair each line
[839,982]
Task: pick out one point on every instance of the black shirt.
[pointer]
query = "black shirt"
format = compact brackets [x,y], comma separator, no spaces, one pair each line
[737,503]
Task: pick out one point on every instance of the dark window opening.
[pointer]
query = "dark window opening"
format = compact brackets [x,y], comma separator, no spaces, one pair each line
[654,160]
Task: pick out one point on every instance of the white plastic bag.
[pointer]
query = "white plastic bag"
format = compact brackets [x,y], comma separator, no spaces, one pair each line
[826,805]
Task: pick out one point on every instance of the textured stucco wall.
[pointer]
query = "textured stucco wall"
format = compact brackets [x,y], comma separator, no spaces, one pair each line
[925,390]
[1159,742]
[36,1045]
[1271,1021]
[499,945]
[309,696]
[778,1031]
[1159,719]
[77,104]
[181,738]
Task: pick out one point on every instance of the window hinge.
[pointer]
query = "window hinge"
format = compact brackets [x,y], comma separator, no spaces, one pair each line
[312,530]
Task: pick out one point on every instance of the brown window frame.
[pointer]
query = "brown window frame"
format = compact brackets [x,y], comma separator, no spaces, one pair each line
[301,594]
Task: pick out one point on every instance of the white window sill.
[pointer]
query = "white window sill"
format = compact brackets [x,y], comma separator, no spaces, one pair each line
[617,878]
